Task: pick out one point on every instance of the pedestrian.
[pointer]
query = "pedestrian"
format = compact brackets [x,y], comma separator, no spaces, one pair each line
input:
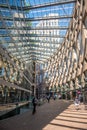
[77,103]
[48,98]
[80,98]
[54,96]
[34,102]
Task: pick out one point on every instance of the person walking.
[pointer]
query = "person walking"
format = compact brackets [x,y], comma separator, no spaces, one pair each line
[48,98]
[54,96]
[76,102]
[34,102]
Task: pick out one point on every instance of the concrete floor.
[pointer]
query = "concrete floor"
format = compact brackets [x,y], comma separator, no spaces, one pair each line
[56,115]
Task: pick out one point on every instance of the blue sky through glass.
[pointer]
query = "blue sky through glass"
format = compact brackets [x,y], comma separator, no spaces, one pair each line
[61,10]
[40,33]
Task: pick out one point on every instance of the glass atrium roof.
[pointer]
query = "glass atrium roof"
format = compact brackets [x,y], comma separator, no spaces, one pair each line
[34,29]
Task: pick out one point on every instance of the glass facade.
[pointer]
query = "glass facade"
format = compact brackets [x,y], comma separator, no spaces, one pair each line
[34,29]
[41,44]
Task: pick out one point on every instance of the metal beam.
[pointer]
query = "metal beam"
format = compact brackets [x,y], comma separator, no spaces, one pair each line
[29,47]
[31,35]
[36,28]
[38,19]
[35,52]
[48,4]
[5,6]
[34,55]
[12,85]
[26,8]
[32,52]
[31,40]
[39,58]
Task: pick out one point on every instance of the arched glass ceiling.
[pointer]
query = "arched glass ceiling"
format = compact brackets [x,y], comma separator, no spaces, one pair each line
[34,29]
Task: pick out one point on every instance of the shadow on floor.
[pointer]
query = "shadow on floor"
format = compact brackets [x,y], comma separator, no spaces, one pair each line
[49,116]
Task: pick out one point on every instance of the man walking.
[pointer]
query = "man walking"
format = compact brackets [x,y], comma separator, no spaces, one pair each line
[34,102]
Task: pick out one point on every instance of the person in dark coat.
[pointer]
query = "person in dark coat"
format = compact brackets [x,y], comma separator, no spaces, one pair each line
[48,98]
[34,102]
